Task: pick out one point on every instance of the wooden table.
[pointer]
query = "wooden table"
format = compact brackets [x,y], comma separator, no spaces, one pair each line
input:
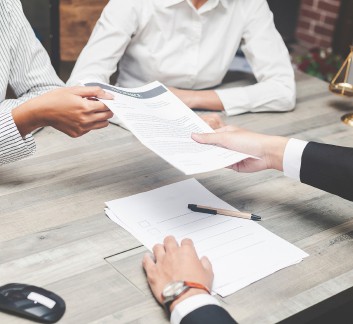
[53,231]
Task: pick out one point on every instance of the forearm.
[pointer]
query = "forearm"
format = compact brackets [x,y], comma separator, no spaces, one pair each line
[270,95]
[196,306]
[292,158]
[270,62]
[199,99]
[200,309]
[13,146]
[274,151]
[206,99]
[329,168]
[27,118]
[269,150]
[187,295]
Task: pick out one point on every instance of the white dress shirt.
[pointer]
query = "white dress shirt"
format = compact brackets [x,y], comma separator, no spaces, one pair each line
[180,46]
[26,67]
[292,158]
[190,304]
[291,168]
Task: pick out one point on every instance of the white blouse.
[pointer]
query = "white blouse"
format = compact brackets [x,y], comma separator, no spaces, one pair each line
[180,46]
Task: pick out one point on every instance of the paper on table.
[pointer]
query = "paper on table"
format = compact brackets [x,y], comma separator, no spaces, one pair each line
[241,251]
[164,124]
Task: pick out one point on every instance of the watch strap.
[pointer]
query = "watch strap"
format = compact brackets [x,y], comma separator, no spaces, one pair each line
[196,285]
[167,305]
[187,285]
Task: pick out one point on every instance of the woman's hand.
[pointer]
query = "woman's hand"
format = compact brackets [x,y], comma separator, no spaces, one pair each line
[69,110]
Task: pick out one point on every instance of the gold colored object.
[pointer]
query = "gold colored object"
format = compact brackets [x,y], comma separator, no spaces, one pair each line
[342,84]
[348,119]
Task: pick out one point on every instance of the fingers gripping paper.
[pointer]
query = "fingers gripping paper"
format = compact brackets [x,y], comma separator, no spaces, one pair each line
[164,124]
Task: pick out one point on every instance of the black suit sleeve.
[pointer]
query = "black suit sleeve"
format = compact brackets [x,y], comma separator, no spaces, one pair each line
[329,168]
[209,314]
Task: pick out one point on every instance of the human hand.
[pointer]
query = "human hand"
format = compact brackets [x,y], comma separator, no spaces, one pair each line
[173,263]
[69,110]
[213,120]
[269,149]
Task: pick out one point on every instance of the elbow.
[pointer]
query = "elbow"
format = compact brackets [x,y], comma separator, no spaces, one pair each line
[280,104]
[288,103]
[291,100]
[286,100]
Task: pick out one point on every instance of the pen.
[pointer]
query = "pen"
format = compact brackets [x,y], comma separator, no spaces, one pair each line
[214,211]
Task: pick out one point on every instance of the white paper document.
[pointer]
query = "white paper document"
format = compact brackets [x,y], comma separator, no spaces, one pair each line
[164,124]
[241,251]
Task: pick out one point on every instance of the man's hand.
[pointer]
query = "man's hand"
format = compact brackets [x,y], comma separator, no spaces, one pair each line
[69,110]
[269,149]
[172,263]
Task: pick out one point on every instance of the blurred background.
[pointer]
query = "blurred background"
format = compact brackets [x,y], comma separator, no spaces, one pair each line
[317,32]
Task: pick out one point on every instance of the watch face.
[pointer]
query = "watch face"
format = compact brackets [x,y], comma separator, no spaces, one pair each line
[173,289]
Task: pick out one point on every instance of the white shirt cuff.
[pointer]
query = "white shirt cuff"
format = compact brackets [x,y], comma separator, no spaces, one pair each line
[292,159]
[189,305]
[235,100]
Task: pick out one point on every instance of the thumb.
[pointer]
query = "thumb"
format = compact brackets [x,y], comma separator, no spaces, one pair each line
[206,264]
[91,92]
[227,128]
[208,138]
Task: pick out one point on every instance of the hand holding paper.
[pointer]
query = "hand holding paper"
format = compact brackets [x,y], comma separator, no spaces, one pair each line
[164,124]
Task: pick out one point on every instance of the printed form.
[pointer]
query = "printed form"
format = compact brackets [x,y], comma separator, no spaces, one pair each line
[164,124]
[241,251]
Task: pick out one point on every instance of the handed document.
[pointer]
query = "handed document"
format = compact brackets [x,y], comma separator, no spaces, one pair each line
[241,251]
[164,124]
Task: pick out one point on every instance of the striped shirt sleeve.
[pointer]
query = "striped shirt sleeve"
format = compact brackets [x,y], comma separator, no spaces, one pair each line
[31,72]
[26,67]
[12,146]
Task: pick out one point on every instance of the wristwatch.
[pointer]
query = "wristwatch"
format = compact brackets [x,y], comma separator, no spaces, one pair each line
[175,289]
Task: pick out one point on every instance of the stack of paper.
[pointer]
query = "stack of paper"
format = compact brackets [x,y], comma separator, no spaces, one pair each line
[164,124]
[241,251]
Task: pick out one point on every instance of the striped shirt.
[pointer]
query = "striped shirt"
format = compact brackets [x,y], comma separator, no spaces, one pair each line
[26,67]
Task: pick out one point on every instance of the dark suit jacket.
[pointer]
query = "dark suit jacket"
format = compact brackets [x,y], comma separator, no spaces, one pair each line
[329,168]
[209,314]
[326,167]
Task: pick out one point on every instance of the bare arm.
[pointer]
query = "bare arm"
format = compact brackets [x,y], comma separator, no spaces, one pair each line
[65,109]
[270,149]
[201,99]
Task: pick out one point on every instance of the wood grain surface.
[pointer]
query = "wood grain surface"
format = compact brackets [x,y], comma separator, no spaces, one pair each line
[54,234]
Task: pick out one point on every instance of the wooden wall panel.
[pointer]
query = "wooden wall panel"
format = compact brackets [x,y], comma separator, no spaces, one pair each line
[77,19]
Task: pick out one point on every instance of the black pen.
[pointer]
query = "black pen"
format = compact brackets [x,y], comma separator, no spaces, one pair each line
[214,211]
